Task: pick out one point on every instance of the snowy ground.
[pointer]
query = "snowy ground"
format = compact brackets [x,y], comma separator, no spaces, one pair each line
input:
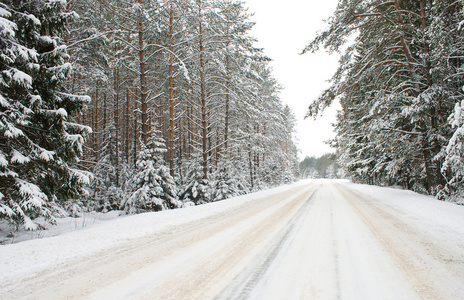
[9,235]
[313,240]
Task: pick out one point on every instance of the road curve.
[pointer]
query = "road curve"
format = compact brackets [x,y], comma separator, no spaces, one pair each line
[321,240]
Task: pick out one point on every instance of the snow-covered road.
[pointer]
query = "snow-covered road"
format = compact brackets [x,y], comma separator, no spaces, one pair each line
[317,240]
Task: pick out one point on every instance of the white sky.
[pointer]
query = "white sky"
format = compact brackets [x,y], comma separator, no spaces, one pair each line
[283,30]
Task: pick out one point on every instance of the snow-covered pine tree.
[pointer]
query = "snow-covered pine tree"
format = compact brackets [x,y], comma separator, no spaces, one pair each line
[198,81]
[89,46]
[39,140]
[104,190]
[393,95]
[193,187]
[266,131]
[446,33]
[453,167]
[226,181]
[153,188]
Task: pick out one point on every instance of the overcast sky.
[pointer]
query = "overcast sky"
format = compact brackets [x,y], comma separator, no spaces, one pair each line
[283,29]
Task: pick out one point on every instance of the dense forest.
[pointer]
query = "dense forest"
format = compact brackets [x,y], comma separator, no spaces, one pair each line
[400,84]
[325,166]
[134,105]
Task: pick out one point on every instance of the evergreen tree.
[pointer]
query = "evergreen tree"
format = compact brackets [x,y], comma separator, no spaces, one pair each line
[199,81]
[153,188]
[226,181]
[324,166]
[39,139]
[453,166]
[193,187]
[105,192]
[447,52]
[394,87]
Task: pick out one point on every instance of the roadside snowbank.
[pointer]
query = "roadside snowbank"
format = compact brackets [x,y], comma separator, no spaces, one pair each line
[443,216]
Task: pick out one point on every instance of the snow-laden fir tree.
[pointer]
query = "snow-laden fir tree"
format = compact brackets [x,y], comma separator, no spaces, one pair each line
[454,160]
[39,140]
[199,80]
[152,187]
[226,181]
[193,187]
[105,191]
[446,55]
[393,87]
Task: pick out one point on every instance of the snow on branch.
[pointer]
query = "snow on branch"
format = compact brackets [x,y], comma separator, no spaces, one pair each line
[17,157]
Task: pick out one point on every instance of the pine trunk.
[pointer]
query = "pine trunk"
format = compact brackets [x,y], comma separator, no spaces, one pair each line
[116,120]
[95,126]
[226,125]
[104,112]
[127,136]
[415,81]
[189,128]
[135,133]
[143,78]
[171,93]
[433,112]
[204,127]
[407,51]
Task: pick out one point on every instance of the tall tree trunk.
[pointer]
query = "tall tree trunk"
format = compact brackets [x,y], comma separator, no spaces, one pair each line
[189,128]
[92,117]
[204,127]
[226,125]
[116,120]
[143,77]
[250,164]
[257,154]
[127,137]
[427,160]
[407,51]
[415,81]
[426,45]
[171,92]
[135,133]
[95,128]
[434,113]
[104,112]
[218,147]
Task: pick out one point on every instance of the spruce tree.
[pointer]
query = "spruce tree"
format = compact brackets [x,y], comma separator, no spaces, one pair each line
[105,191]
[225,181]
[153,188]
[453,167]
[39,140]
[396,86]
[194,188]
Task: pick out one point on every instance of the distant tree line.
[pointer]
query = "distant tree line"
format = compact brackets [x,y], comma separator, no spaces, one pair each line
[325,166]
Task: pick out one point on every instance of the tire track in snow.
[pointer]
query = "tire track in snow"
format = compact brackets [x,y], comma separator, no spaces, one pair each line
[161,255]
[244,283]
[335,243]
[233,251]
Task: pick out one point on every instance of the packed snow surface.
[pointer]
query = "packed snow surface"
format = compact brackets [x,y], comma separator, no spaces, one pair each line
[317,239]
